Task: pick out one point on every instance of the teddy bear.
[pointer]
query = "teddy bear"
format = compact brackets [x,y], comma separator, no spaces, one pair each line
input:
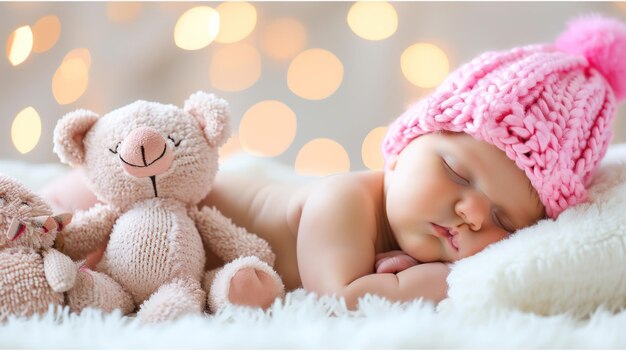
[150,164]
[33,275]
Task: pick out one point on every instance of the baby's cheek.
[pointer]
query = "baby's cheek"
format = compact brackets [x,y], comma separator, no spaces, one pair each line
[431,194]
[478,243]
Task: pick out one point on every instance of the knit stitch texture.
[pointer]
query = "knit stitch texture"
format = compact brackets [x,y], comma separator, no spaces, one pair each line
[33,275]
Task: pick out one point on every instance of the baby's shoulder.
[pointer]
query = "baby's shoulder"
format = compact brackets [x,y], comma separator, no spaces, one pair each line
[357,190]
[349,195]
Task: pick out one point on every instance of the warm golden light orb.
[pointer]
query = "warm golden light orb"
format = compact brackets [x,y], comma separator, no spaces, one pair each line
[20,45]
[371,149]
[237,21]
[71,79]
[373,20]
[196,28]
[26,130]
[315,74]
[46,33]
[267,128]
[322,157]
[80,53]
[424,65]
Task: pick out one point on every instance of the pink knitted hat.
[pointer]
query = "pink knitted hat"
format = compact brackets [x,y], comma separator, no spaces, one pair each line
[548,107]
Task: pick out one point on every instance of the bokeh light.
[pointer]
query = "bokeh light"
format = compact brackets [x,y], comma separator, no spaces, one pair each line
[196,28]
[19,45]
[620,5]
[424,65]
[322,157]
[123,11]
[283,38]
[267,128]
[80,53]
[237,20]
[72,77]
[371,149]
[315,74]
[231,147]
[235,67]
[373,20]
[26,130]
[46,33]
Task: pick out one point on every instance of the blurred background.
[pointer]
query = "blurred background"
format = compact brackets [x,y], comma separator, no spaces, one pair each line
[312,85]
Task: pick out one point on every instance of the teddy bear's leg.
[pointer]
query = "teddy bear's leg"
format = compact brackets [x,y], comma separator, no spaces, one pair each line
[98,290]
[246,281]
[209,277]
[173,300]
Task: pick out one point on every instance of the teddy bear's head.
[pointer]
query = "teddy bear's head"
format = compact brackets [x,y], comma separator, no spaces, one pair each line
[147,150]
[25,219]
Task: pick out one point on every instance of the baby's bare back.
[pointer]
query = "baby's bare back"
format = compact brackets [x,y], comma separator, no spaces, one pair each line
[273,210]
[266,208]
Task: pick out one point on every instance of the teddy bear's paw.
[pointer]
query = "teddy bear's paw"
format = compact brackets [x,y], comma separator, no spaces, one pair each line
[251,287]
[246,281]
[172,301]
[98,290]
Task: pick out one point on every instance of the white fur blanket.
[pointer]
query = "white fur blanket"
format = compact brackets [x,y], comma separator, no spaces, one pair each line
[558,284]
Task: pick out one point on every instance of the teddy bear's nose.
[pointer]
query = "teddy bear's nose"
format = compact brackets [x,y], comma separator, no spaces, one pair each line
[144,153]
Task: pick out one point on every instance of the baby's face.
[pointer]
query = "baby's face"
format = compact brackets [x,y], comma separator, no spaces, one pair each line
[449,195]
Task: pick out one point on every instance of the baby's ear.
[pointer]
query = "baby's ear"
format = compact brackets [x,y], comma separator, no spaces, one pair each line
[212,114]
[69,135]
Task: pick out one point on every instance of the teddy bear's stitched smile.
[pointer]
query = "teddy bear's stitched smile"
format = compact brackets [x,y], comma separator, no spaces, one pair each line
[143,156]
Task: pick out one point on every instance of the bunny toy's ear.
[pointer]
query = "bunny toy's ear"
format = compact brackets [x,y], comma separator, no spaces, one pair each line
[69,135]
[212,114]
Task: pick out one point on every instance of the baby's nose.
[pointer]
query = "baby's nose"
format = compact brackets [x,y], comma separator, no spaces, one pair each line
[144,153]
[473,210]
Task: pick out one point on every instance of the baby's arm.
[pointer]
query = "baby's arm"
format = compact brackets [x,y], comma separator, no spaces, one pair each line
[336,250]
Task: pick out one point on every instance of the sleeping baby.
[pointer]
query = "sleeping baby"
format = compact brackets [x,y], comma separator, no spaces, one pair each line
[508,139]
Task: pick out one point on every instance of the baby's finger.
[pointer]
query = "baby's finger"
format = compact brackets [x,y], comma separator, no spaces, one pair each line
[382,255]
[395,264]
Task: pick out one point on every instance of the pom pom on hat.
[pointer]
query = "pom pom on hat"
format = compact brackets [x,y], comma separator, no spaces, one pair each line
[603,42]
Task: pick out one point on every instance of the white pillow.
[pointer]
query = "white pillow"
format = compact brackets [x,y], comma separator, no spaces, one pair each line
[573,264]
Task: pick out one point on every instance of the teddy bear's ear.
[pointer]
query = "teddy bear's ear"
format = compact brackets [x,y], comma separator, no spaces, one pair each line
[69,134]
[212,114]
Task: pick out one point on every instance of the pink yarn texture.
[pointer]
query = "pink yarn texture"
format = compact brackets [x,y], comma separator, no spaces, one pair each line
[548,107]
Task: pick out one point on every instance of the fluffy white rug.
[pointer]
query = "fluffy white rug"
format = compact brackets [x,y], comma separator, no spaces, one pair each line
[559,284]
[303,321]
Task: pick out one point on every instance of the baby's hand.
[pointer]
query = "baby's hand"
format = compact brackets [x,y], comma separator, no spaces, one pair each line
[394,262]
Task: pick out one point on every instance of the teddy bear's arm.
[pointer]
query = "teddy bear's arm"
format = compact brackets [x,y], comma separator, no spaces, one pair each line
[227,240]
[86,232]
[59,269]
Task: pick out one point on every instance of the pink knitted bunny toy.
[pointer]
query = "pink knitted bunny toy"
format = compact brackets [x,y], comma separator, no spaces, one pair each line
[33,275]
[151,164]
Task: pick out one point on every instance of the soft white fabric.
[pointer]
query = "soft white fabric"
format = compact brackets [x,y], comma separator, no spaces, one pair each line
[570,265]
[305,322]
